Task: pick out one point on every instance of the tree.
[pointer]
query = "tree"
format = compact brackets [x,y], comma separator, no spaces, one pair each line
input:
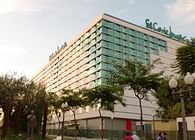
[10,88]
[170,106]
[185,58]
[55,103]
[105,96]
[139,78]
[17,97]
[167,102]
[74,100]
[35,98]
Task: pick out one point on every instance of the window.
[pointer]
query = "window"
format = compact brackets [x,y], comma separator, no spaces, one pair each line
[110,25]
[110,52]
[110,45]
[110,38]
[116,27]
[162,43]
[104,30]
[141,35]
[131,32]
[116,40]
[141,41]
[92,62]
[103,58]
[103,43]
[110,31]
[163,48]
[154,51]
[116,33]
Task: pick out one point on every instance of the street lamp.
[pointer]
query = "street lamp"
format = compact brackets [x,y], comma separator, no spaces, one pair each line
[112,118]
[188,80]
[153,122]
[63,107]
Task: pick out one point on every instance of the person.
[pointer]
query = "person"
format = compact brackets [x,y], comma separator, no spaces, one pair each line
[128,136]
[31,123]
[134,136]
[161,136]
[165,136]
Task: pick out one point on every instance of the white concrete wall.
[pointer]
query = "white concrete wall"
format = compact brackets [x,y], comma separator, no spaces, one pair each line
[190,123]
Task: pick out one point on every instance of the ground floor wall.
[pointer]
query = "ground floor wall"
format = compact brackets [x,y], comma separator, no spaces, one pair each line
[91,128]
[95,124]
[190,120]
[116,128]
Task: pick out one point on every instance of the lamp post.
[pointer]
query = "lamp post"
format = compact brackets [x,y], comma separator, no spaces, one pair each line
[112,118]
[188,80]
[153,122]
[63,107]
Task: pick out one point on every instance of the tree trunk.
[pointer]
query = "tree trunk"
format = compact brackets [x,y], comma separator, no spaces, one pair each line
[6,120]
[45,120]
[102,127]
[18,117]
[59,128]
[76,125]
[141,118]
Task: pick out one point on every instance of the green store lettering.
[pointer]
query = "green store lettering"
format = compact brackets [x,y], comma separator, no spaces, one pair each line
[168,32]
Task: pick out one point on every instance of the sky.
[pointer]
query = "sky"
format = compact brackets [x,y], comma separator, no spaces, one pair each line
[30,30]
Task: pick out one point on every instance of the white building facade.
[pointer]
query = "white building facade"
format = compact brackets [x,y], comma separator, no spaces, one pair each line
[86,61]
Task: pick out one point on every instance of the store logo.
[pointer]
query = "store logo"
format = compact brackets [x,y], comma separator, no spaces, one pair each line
[168,32]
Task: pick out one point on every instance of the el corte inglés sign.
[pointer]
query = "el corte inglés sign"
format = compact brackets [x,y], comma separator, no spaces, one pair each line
[168,32]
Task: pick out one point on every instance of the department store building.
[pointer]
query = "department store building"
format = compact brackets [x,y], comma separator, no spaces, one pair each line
[85,62]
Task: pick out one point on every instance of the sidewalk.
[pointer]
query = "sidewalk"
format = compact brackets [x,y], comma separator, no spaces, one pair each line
[72,138]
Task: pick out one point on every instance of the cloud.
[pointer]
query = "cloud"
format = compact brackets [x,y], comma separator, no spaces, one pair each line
[182,11]
[25,6]
[12,51]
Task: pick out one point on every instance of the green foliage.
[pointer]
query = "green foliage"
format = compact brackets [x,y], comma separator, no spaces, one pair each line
[170,106]
[175,110]
[136,75]
[54,101]
[185,58]
[11,88]
[34,98]
[105,95]
[139,78]
[73,98]
[17,97]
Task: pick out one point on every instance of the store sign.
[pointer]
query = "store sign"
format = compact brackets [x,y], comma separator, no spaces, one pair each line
[168,32]
[57,51]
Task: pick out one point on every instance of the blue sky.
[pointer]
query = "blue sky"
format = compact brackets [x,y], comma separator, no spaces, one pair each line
[30,30]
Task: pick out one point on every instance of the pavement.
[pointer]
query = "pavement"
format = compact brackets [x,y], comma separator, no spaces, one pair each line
[69,138]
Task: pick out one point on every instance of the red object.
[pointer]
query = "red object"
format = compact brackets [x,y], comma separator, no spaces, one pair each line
[129,124]
[128,138]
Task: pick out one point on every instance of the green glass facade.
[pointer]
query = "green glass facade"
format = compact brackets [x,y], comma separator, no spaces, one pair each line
[87,60]
[107,42]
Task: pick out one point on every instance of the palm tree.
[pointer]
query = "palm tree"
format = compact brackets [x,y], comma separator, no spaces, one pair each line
[139,78]
[185,58]
[105,96]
